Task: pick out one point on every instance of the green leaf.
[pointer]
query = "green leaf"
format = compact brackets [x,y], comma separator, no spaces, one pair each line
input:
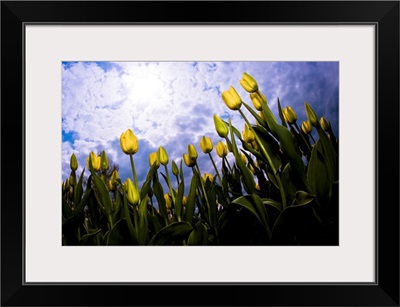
[159,193]
[328,151]
[178,201]
[191,200]
[255,205]
[79,189]
[143,224]
[281,114]
[66,210]
[272,203]
[146,185]
[86,239]
[247,175]
[256,116]
[286,178]
[291,223]
[173,233]
[199,235]
[286,142]
[156,220]
[72,222]
[303,198]
[120,235]
[319,176]
[102,194]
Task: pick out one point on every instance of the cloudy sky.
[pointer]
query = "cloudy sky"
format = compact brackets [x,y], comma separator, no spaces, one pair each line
[171,104]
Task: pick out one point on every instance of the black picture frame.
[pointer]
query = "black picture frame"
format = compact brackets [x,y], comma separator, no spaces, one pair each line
[383,14]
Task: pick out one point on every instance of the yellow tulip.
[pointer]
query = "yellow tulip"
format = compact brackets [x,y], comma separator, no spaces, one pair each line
[206,144]
[248,83]
[244,159]
[73,163]
[209,176]
[306,127]
[184,200]
[189,162]
[163,156]
[175,170]
[168,202]
[222,149]
[192,152]
[153,158]
[232,99]
[220,126]
[258,99]
[289,115]
[312,117]
[131,192]
[248,135]
[104,161]
[325,125]
[94,161]
[129,142]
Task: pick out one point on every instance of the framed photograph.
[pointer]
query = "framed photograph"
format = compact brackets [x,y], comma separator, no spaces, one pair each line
[231,154]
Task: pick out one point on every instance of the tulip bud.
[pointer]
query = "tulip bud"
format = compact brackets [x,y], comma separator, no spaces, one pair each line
[244,159]
[93,161]
[258,187]
[258,99]
[232,99]
[222,150]
[255,146]
[110,186]
[168,202]
[306,127]
[131,192]
[129,142]
[206,145]
[312,117]
[163,156]
[325,125]
[114,178]
[189,162]
[175,170]
[104,161]
[253,170]
[184,200]
[262,115]
[153,158]
[248,135]
[209,176]
[73,163]
[289,115]
[192,152]
[71,193]
[220,126]
[248,83]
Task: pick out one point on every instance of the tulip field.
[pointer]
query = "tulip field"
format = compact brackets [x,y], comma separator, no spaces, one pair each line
[279,187]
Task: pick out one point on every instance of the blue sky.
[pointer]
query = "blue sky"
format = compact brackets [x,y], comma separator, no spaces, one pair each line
[171,104]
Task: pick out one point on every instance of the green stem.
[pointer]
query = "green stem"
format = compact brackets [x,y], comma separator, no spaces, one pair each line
[134,172]
[204,192]
[227,163]
[266,155]
[215,167]
[169,184]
